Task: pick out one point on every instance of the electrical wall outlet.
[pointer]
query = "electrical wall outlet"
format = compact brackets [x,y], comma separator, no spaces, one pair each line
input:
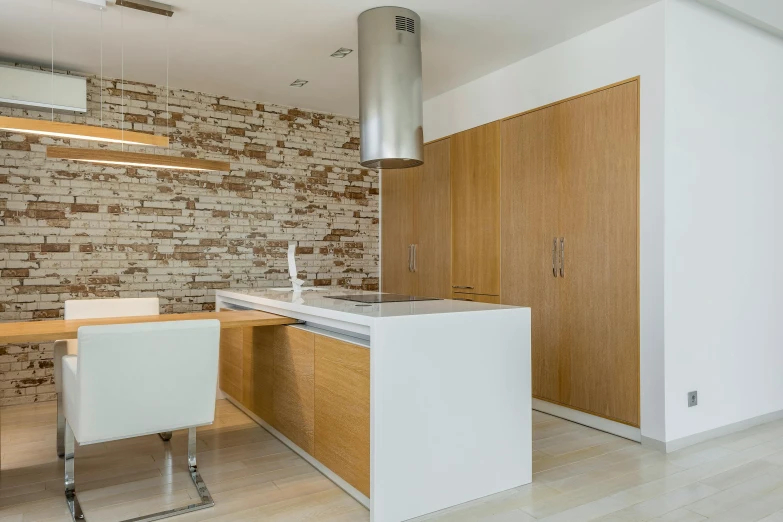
[693,399]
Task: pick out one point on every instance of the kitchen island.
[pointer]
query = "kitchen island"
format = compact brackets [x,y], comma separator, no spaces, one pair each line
[411,407]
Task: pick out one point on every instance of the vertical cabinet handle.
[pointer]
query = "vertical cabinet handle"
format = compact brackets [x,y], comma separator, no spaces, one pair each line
[554,257]
[415,247]
[410,258]
[562,257]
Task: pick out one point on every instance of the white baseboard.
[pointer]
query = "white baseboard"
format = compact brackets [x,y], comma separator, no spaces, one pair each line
[696,438]
[591,421]
[331,475]
[657,445]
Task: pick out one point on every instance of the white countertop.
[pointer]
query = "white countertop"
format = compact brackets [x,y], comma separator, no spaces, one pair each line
[316,302]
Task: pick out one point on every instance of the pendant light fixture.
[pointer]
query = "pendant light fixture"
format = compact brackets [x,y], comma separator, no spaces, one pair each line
[137,159]
[75,130]
[81,132]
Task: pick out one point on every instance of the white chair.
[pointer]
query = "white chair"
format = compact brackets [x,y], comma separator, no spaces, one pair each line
[138,379]
[93,309]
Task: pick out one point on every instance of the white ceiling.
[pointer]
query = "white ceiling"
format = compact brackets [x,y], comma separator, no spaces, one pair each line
[253,49]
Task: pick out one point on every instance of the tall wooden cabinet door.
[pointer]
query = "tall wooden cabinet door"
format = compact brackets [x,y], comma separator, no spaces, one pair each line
[398,218]
[599,157]
[433,222]
[475,207]
[530,223]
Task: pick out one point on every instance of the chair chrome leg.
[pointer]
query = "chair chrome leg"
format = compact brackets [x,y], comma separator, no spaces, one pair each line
[203,492]
[165,436]
[60,426]
[70,483]
[195,476]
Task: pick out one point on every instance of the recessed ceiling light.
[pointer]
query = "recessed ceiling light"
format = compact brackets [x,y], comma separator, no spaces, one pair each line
[342,52]
[299,83]
[100,4]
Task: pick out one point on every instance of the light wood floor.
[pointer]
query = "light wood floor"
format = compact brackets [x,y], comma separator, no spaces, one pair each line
[580,475]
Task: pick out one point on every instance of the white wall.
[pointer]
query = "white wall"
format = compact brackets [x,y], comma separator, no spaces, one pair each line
[766,14]
[724,211]
[630,46]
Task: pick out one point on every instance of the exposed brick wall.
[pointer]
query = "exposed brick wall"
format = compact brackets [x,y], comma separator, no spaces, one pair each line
[78,230]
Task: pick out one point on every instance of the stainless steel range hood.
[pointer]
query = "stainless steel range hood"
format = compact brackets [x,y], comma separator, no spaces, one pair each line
[390,106]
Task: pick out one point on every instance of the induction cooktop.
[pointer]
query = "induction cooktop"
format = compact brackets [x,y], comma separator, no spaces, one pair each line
[381,298]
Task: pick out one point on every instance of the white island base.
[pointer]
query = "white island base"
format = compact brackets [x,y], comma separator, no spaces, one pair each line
[450,394]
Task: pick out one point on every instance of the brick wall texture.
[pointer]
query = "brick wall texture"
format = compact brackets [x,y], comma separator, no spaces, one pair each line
[78,230]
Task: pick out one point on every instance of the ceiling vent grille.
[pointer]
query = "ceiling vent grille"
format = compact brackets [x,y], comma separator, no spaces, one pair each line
[403,23]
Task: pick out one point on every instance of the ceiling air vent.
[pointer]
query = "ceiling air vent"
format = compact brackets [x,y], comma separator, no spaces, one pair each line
[403,23]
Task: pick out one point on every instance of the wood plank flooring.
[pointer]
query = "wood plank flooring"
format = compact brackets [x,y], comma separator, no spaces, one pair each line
[580,474]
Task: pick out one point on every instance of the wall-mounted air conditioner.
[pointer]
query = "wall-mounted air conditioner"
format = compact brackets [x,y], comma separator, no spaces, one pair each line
[40,89]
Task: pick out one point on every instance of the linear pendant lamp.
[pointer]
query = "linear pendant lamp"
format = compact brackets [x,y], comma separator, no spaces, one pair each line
[134,159]
[82,132]
[137,159]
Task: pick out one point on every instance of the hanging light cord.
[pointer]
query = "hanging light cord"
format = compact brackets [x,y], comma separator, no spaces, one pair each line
[51,41]
[122,59]
[101,109]
[168,115]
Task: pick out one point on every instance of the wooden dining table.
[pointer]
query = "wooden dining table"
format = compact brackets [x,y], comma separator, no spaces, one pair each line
[47,331]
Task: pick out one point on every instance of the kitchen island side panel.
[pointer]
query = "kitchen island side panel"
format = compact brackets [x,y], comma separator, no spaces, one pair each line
[450,410]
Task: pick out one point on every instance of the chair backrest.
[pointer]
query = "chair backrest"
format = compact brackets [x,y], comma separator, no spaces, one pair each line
[143,378]
[97,308]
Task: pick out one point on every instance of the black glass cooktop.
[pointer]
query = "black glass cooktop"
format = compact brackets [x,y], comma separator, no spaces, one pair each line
[381,298]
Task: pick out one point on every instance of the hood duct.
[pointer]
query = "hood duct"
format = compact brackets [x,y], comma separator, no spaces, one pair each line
[390,107]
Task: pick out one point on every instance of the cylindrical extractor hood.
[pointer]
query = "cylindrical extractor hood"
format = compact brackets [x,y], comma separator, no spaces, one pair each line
[390,110]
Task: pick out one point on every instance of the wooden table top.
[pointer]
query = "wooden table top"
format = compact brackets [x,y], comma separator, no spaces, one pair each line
[43,331]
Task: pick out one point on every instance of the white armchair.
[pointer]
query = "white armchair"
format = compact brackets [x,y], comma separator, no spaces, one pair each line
[92,309]
[138,379]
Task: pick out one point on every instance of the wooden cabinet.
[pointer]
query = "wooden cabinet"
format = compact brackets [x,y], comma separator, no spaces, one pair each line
[259,357]
[312,388]
[342,410]
[599,222]
[479,298]
[230,365]
[293,385]
[570,247]
[246,368]
[398,230]
[415,219]
[475,204]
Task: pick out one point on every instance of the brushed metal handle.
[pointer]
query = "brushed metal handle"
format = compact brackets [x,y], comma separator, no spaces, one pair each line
[554,257]
[415,261]
[463,287]
[562,257]
[410,258]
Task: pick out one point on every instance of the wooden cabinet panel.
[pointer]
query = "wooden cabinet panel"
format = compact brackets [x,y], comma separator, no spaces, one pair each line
[530,223]
[259,371]
[475,204]
[479,298]
[293,397]
[398,215]
[570,171]
[599,139]
[342,410]
[433,222]
[231,362]
[416,210]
